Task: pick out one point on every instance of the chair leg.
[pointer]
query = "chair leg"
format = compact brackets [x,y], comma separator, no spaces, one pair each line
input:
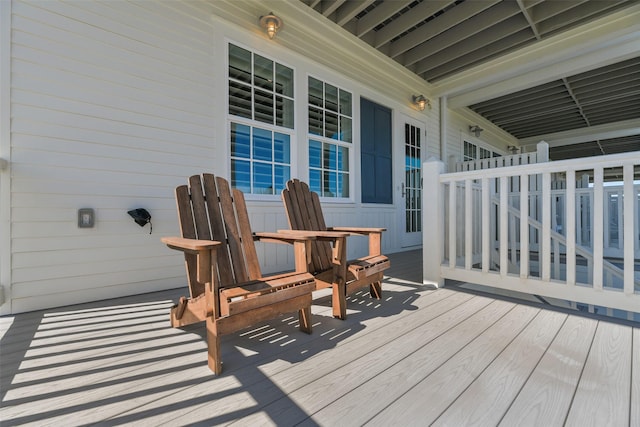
[304,316]
[375,290]
[339,300]
[213,343]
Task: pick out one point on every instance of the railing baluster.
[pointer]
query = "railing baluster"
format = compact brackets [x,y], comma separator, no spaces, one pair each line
[524,226]
[468,224]
[504,212]
[570,227]
[453,215]
[598,229]
[545,244]
[629,232]
[486,225]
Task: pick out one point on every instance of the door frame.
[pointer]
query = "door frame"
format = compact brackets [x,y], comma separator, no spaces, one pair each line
[405,239]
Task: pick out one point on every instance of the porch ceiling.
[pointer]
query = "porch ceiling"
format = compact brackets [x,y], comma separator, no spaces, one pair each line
[438,40]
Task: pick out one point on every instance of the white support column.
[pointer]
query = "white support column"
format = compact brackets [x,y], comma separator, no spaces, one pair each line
[433,221]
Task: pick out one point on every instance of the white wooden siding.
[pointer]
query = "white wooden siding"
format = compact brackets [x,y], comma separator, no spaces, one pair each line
[114,103]
[111,103]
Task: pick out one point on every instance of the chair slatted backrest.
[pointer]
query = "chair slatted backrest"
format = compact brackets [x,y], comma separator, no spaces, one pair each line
[208,209]
[305,213]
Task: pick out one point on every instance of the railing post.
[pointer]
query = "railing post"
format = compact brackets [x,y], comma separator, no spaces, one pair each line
[542,151]
[432,218]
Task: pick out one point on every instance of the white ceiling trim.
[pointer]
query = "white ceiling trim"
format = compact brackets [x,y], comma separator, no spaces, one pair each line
[591,133]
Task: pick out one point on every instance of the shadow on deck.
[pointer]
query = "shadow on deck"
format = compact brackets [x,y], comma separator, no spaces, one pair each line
[119,362]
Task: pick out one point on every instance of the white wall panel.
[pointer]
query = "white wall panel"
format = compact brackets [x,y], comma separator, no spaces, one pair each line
[112,106]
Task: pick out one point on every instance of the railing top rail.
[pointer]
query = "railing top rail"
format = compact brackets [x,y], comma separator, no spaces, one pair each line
[611,160]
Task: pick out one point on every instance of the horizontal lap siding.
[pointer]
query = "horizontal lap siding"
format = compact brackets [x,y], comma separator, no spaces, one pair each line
[112,106]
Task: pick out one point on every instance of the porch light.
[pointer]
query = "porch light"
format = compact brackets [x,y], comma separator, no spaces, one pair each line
[271,23]
[420,102]
[476,130]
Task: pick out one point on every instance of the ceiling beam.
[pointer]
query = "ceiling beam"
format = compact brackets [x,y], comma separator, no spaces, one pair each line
[379,15]
[592,133]
[436,26]
[349,10]
[408,20]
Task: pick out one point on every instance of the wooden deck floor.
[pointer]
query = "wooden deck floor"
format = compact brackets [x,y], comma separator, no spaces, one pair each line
[418,357]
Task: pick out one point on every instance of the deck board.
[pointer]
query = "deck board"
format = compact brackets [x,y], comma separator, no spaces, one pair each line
[546,397]
[500,382]
[417,356]
[603,394]
[384,389]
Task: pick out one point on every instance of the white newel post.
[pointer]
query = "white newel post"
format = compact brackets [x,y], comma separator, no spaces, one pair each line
[542,150]
[432,219]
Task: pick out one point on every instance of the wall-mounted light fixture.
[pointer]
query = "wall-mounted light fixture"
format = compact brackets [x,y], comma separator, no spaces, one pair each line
[420,102]
[271,24]
[141,216]
[476,130]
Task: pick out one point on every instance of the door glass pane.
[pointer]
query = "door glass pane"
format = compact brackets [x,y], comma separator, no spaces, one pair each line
[413,179]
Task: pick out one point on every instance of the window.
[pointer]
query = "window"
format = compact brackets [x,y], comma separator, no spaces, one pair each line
[330,137]
[470,152]
[260,159]
[473,152]
[261,105]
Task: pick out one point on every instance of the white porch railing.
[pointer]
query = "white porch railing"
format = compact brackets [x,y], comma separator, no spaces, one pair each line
[558,249]
[541,155]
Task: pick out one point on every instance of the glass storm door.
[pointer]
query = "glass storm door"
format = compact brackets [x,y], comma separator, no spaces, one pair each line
[412,185]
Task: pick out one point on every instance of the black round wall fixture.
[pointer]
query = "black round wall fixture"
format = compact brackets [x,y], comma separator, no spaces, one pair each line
[141,216]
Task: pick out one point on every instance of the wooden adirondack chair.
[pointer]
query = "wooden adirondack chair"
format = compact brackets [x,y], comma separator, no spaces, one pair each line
[328,261]
[226,286]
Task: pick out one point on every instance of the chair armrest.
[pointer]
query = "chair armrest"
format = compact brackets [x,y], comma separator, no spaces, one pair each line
[358,230]
[283,236]
[189,245]
[202,249]
[316,234]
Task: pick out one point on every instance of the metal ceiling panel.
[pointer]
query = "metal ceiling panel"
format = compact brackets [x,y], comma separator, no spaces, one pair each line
[437,39]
